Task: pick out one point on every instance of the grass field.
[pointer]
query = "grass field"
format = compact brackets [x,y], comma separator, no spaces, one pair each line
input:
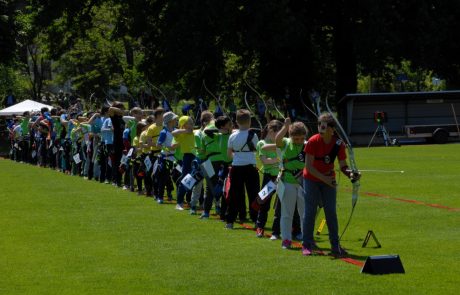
[65,235]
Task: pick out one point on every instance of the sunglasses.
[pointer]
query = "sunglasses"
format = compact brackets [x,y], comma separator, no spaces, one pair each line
[328,125]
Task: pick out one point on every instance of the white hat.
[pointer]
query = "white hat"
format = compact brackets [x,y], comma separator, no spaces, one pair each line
[168,117]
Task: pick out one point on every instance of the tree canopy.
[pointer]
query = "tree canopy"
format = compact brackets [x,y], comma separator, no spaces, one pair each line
[277,45]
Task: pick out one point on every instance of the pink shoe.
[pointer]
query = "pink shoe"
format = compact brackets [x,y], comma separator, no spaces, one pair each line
[306,251]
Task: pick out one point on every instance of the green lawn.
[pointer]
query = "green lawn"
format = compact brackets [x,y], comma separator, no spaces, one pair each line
[65,235]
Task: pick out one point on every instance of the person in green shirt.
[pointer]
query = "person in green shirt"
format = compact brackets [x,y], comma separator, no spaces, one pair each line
[206,118]
[25,143]
[76,136]
[266,151]
[293,161]
[225,126]
[214,144]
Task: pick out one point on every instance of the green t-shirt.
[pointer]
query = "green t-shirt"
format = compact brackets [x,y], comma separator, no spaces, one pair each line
[76,134]
[211,143]
[223,140]
[57,127]
[291,160]
[178,154]
[199,151]
[25,126]
[271,169]
[132,125]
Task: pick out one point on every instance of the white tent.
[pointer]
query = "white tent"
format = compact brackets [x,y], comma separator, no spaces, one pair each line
[23,106]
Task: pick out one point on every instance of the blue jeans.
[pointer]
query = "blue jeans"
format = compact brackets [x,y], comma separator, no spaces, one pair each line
[316,192]
[186,169]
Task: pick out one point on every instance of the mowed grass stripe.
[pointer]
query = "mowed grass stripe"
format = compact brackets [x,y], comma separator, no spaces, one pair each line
[87,237]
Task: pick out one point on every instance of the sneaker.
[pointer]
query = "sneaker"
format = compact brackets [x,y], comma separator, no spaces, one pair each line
[299,237]
[179,207]
[160,201]
[274,237]
[229,226]
[193,210]
[217,210]
[286,244]
[306,251]
[260,232]
[338,251]
[125,187]
[204,215]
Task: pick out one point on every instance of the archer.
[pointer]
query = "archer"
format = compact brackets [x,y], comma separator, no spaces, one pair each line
[320,182]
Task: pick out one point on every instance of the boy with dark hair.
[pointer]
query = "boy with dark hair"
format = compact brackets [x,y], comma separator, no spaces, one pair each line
[115,113]
[212,142]
[205,119]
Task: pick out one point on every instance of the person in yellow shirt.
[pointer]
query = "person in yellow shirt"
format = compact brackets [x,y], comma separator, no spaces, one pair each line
[185,139]
[145,149]
[138,171]
[153,131]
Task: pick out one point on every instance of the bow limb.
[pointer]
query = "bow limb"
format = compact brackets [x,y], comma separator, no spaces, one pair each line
[277,110]
[354,167]
[252,113]
[157,89]
[315,98]
[91,99]
[256,92]
[305,105]
[107,96]
[260,96]
[215,98]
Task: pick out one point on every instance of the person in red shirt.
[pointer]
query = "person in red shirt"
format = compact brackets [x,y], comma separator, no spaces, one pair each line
[320,184]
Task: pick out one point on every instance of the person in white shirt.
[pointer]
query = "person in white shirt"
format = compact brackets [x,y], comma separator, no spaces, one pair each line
[243,174]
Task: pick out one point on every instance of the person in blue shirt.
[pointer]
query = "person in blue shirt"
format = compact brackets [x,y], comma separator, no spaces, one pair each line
[9,99]
[96,127]
[166,159]
[106,151]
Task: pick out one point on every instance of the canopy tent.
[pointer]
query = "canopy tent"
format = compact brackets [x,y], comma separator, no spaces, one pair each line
[23,106]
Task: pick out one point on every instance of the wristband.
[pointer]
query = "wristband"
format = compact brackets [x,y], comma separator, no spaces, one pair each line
[345,170]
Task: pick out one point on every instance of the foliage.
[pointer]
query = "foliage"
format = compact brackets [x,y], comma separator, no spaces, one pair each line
[402,77]
[301,45]
[12,78]
[9,28]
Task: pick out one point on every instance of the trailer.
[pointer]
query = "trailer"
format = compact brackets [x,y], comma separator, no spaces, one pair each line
[409,116]
[435,133]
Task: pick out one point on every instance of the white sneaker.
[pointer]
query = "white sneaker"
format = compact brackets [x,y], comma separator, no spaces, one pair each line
[179,207]
[274,237]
